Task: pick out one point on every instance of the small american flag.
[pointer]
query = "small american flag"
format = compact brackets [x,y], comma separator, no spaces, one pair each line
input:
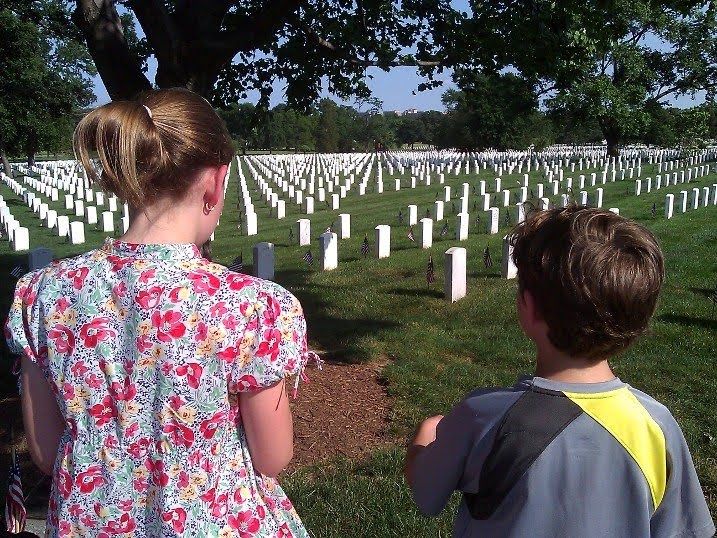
[18,271]
[400,216]
[410,234]
[365,247]
[329,229]
[430,273]
[308,257]
[654,210]
[444,230]
[15,512]
[238,264]
[487,260]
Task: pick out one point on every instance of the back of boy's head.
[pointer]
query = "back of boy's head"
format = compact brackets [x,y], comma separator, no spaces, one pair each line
[594,276]
[152,146]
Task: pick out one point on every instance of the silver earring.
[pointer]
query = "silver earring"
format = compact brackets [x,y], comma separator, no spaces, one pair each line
[208,208]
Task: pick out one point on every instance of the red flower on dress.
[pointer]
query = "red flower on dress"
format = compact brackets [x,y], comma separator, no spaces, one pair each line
[146,276]
[231,322]
[62,303]
[192,371]
[177,517]
[93,381]
[138,448]
[273,309]
[245,383]
[75,510]
[125,524]
[284,532]
[120,289]
[169,325]
[118,263]
[156,469]
[78,277]
[269,347]
[238,281]
[217,309]
[229,354]
[103,412]
[209,426]
[183,479]
[123,392]
[179,434]
[88,521]
[125,505]
[204,282]
[64,483]
[219,506]
[64,528]
[150,297]
[63,338]
[201,332]
[90,479]
[143,343]
[96,331]
[79,368]
[245,523]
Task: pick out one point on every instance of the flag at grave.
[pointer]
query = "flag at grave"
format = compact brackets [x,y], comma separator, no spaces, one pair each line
[654,210]
[410,234]
[444,230]
[365,246]
[15,512]
[400,216]
[238,264]
[308,257]
[291,234]
[430,273]
[428,213]
[18,271]
[487,260]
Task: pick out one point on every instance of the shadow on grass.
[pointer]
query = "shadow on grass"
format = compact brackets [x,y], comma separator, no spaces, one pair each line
[689,321]
[417,293]
[704,292]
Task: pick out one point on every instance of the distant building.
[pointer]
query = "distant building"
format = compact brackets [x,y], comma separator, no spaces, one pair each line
[411,111]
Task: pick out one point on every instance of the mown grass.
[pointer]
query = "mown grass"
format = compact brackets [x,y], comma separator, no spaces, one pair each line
[436,352]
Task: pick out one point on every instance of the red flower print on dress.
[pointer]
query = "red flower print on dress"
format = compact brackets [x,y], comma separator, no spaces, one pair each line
[62,338]
[103,412]
[118,263]
[93,381]
[120,289]
[192,371]
[62,303]
[217,310]
[64,528]
[138,449]
[238,281]
[147,275]
[272,310]
[245,523]
[179,434]
[219,506]
[96,331]
[284,532]
[123,392]
[177,517]
[204,282]
[246,383]
[150,297]
[88,521]
[156,469]
[78,277]
[75,510]
[64,483]
[125,524]
[169,325]
[144,343]
[125,505]
[229,354]
[231,322]
[79,368]
[90,479]
[209,426]
[269,347]
[183,479]
[201,332]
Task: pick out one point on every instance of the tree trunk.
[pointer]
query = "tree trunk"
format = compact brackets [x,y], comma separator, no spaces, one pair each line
[31,147]
[5,161]
[612,134]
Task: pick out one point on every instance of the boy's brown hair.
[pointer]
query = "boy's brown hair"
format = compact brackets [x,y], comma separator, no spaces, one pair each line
[594,275]
[152,146]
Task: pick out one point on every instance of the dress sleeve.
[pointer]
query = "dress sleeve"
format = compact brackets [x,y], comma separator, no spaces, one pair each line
[273,345]
[23,325]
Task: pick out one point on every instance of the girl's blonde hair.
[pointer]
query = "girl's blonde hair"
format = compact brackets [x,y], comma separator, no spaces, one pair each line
[153,146]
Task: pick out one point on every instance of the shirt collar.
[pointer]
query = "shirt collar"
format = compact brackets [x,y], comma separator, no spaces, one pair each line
[586,388]
[161,251]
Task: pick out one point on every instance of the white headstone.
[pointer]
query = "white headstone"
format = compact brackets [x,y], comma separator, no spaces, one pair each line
[425,233]
[328,251]
[309,204]
[492,224]
[263,254]
[79,208]
[251,223]
[91,214]
[412,215]
[63,225]
[462,220]
[438,210]
[303,231]
[695,198]
[51,219]
[280,209]
[77,232]
[21,239]
[334,201]
[683,201]
[344,226]
[383,241]
[669,206]
[455,274]
[108,221]
[508,268]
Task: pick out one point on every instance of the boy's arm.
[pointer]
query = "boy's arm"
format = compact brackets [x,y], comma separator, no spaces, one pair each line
[436,458]
[683,510]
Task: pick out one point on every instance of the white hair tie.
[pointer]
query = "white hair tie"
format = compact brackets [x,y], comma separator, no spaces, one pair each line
[148,111]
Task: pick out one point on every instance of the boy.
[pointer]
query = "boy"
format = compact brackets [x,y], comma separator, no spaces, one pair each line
[571,451]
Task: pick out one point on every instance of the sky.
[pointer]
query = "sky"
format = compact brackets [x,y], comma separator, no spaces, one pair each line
[396,88]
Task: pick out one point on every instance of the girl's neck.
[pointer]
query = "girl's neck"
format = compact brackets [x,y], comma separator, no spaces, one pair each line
[161,223]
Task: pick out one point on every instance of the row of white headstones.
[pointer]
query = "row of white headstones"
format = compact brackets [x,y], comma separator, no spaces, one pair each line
[455,257]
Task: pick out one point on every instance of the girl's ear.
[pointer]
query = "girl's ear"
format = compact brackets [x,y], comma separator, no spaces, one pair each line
[214,184]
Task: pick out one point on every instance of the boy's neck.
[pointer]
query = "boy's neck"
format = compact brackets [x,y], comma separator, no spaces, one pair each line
[557,366]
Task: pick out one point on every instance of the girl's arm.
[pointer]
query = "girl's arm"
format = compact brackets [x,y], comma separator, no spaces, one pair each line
[44,424]
[267,421]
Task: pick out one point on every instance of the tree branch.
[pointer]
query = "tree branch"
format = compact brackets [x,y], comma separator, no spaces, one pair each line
[101,27]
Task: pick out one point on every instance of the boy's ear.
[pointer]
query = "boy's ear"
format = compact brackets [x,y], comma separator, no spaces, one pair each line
[531,309]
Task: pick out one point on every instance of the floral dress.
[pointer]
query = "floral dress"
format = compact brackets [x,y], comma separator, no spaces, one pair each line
[147,348]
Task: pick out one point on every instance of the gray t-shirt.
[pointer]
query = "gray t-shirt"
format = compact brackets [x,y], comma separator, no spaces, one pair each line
[563,459]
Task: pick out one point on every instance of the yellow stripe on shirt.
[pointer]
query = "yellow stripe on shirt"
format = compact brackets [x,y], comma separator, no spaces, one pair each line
[621,414]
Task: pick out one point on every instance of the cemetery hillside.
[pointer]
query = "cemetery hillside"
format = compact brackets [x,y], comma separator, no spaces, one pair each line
[355,261]
[352,236]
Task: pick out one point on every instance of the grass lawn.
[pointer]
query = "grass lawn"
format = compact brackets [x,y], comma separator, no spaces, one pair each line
[435,352]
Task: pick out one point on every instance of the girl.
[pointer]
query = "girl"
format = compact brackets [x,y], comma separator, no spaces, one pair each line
[152,379]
